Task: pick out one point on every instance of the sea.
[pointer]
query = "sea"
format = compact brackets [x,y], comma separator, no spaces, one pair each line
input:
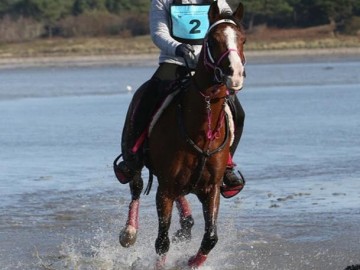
[62,208]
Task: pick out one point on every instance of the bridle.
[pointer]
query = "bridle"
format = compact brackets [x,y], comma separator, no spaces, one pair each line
[209,60]
[211,134]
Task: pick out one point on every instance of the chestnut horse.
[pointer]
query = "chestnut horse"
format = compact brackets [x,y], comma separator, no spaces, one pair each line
[189,144]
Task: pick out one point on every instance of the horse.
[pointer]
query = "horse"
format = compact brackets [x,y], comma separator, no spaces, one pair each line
[188,146]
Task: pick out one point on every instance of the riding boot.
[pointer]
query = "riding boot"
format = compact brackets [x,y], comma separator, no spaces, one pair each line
[127,169]
[135,128]
[145,101]
[230,177]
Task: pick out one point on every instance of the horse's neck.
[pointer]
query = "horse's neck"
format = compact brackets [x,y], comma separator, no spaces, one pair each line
[204,102]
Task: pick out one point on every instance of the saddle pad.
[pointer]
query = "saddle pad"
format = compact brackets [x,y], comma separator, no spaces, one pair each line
[162,107]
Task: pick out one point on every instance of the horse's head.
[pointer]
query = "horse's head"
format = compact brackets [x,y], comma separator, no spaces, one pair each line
[223,50]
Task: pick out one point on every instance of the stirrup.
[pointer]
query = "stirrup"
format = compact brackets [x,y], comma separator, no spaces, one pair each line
[229,192]
[119,173]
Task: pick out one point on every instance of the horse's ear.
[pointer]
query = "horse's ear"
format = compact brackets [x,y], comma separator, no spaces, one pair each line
[239,12]
[213,12]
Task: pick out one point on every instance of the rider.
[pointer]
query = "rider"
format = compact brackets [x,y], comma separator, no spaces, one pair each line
[177,28]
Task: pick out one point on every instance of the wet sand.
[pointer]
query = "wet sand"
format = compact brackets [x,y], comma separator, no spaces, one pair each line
[268,56]
[86,237]
[299,210]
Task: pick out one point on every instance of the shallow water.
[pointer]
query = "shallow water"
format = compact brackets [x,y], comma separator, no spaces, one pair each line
[61,207]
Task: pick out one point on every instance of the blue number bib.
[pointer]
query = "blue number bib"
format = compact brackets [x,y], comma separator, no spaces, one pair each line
[189,23]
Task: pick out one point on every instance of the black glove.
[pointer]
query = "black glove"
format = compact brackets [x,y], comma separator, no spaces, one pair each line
[184,50]
[187,52]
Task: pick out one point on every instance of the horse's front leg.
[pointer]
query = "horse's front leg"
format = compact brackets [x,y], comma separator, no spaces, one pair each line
[186,220]
[164,205]
[128,235]
[210,203]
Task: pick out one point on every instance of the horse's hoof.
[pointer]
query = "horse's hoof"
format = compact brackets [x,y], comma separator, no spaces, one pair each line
[128,236]
[181,236]
[197,260]
[160,262]
[184,234]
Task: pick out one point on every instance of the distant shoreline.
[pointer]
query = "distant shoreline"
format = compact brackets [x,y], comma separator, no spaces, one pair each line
[266,56]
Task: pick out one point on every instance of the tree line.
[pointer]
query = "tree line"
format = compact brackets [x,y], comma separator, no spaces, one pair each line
[29,19]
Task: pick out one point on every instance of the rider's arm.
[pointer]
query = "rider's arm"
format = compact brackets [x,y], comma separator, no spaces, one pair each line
[160,30]
[160,27]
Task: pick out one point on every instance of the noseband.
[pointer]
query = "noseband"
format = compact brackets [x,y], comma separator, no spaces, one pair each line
[209,60]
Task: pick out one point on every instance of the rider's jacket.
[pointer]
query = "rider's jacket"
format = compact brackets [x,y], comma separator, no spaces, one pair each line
[173,22]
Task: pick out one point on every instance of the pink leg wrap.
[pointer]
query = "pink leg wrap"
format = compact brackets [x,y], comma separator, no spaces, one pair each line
[160,262]
[183,206]
[133,216]
[197,260]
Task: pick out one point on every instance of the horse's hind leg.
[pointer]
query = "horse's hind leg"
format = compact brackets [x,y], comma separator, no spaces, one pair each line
[186,220]
[128,235]
[164,205]
[210,205]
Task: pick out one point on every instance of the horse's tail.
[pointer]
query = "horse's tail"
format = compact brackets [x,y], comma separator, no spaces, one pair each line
[149,185]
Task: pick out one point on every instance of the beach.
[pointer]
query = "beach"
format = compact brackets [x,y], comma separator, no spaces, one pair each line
[265,56]
[62,208]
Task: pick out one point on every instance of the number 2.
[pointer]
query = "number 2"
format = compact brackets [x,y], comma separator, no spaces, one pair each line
[195,29]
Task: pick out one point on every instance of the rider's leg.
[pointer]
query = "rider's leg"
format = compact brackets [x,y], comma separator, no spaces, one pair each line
[230,178]
[126,170]
[138,116]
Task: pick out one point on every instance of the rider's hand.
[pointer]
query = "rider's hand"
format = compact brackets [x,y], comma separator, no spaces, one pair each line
[187,52]
[184,49]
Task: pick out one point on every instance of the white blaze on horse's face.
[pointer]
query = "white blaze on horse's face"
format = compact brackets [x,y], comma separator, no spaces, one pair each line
[235,80]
